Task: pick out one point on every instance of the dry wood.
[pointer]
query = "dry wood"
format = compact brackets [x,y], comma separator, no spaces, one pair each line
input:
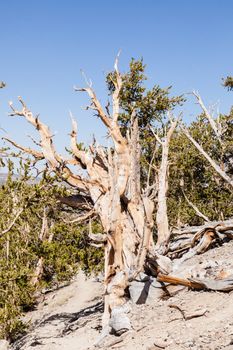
[111,188]
[108,185]
[186,317]
[223,285]
[215,125]
[12,223]
[195,208]
[37,155]
[216,167]
[43,236]
[221,226]
[81,218]
[198,242]
[38,272]
[55,161]
[161,215]
[179,281]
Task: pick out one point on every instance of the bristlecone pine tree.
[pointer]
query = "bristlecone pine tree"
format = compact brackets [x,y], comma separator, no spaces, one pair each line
[125,202]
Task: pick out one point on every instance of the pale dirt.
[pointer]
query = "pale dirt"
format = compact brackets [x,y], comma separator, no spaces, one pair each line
[70,318]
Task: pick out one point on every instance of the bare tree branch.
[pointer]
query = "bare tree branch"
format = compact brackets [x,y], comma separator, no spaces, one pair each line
[34,153]
[216,126]
[222,226]
[12,222]
[207,157]
[96,237]
[81,155]
[118,86]
[96,105]
[55,161]
[109,122]
[195,208]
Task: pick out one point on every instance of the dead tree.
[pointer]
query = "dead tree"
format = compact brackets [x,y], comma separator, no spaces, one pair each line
[161,215]
[111,188]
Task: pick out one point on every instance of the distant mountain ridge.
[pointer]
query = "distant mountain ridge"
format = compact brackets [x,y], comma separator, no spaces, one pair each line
[3,178]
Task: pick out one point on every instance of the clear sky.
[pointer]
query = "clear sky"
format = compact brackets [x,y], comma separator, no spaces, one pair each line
[45,43]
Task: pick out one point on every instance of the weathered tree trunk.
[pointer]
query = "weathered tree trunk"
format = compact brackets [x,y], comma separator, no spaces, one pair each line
[111,190]
[43,236]
[112,187]
[161,215]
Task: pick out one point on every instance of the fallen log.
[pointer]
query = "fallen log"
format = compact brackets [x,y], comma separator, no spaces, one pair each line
[200,238]
[221,285]
[221,225]
[179,281]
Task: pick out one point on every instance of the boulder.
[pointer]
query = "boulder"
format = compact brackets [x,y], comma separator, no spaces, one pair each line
[145,290]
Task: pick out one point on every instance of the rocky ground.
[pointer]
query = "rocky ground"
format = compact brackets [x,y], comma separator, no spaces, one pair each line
[70,318]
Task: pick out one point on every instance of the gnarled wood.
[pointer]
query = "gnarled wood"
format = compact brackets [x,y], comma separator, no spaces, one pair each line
[111,189]
[223,285]
[215,125]
[222,226]
[161,215]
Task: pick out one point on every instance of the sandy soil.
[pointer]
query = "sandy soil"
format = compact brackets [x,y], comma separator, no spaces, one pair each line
[70,318]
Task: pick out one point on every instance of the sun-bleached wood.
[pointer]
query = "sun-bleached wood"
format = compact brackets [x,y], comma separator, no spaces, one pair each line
[215,124]
[161,215]
[214,165]
[110,188]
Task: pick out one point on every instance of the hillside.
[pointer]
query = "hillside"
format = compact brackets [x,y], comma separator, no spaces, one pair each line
[70,318]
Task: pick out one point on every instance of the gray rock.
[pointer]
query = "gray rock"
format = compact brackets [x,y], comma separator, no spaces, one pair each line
[119,321]
[4,344]
[145,290]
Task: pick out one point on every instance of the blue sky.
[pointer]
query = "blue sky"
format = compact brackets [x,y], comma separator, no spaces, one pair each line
[45,43]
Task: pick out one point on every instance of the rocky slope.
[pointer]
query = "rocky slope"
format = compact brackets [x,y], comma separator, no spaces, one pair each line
[70,318]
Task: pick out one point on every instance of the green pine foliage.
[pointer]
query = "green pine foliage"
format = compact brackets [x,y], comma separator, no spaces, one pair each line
[192,175]
[150,104]
[228,83]
[64,248]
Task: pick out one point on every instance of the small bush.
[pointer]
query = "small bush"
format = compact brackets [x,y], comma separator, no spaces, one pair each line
[41,231]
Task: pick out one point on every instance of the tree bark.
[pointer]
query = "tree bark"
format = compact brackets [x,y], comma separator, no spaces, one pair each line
[161,215]
[111,189]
